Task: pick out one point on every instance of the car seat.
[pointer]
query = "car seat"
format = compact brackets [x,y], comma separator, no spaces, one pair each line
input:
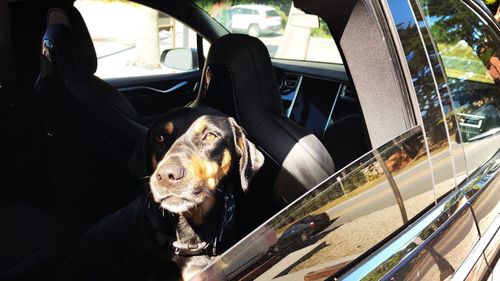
[239,80]
[91,128]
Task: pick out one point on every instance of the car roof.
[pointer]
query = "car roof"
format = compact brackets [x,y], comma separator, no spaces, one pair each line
[254,6]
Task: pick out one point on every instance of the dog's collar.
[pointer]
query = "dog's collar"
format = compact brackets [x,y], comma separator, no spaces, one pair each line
[204,248]
[182,249]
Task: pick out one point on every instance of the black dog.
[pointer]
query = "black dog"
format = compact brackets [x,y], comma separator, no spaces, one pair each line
[200,164]
[195,179]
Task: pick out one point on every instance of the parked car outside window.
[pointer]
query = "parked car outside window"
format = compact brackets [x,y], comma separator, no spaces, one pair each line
[255,19]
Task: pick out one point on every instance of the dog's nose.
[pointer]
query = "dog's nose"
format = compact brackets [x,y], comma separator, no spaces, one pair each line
[168,174]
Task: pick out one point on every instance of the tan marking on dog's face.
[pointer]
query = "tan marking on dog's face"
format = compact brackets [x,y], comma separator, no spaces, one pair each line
[226,161]
[169,127]
[204,169]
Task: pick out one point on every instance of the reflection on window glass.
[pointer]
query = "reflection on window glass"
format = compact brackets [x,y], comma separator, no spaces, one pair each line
[129,38]
[284,29]
[429,98]
[337,221]
[469,50]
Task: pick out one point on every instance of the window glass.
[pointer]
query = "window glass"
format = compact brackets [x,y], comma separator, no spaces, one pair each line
[337,221]
[411,30]
[306,39]
[469,50]
[129,38]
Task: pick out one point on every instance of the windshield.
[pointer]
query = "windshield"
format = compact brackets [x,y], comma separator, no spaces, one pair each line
[276,23]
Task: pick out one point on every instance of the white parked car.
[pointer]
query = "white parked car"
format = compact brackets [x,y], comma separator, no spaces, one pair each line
[255,19]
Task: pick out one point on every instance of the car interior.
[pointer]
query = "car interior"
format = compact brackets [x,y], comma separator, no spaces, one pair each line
[68,135]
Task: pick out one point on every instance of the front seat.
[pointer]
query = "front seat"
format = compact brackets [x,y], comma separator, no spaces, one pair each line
[91,128]
[239,80]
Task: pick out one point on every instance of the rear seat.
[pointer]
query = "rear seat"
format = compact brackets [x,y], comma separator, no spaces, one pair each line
[32,241]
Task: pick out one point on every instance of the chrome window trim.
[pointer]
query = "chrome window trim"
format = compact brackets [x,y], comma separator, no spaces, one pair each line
[488,171]
[442,75]
[438,93]
[408,77]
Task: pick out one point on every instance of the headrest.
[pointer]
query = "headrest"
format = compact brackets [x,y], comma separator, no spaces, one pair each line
[239,79]
[84,48]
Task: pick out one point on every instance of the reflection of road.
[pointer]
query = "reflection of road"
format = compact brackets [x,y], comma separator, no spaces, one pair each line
[414,181]
[411,182]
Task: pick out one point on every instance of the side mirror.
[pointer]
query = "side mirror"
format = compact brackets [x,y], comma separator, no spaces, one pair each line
[304,20]
[180,58]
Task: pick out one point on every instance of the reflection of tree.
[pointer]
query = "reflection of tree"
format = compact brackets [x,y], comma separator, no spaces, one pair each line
[389,264]
[452,22]
[423,82]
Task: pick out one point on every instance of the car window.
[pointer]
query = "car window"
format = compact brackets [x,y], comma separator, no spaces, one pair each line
[272,13]
[469,49]
[307,39]
[129,38]
[339,220]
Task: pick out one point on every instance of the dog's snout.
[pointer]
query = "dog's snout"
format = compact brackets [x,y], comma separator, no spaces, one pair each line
[168,174]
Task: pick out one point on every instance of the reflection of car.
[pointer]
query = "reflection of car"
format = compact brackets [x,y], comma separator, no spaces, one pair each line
[255,19]
[481,123]
[301,231]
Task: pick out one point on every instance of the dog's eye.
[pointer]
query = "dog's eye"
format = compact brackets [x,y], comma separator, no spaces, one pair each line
[160,139]
[209,136]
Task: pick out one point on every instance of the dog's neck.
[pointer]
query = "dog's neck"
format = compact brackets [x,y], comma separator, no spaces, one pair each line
[200,224]
[206,225]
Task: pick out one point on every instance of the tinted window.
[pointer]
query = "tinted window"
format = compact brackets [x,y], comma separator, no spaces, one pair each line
[469,50]
[429,95]
[272,14]
[337,221]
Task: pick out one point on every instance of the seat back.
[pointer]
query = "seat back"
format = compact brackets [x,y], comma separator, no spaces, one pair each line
[91,128]
[239,80]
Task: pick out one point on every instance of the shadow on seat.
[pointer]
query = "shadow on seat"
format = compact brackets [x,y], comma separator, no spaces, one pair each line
[91,128]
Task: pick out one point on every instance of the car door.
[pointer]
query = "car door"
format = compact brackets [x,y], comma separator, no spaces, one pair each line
[130,45]
[402,209]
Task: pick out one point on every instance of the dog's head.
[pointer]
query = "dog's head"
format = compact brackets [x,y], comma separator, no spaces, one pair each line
[193,150]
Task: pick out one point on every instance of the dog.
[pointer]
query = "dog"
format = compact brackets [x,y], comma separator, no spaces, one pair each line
[195,165]
[201,159]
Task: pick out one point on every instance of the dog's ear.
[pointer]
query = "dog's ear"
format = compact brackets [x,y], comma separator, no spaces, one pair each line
[251,159]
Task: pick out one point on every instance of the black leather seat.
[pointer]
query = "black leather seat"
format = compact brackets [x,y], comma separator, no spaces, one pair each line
[91,127]
[239,80]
